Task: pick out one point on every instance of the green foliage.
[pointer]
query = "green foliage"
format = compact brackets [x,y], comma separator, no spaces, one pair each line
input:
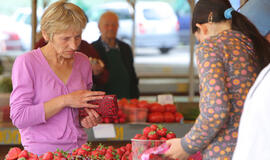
[1,67]
[5,85]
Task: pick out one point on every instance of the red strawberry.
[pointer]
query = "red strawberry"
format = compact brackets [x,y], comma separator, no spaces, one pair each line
[33,156]
[154,127]
[170,135]
[137,136]
[108,156]
[128,147]
[163,138]
[146,130]
[119,152]
[162,132]
[82,152]
[13,153]
[86,147]
[123,149]
[48,156]
[23,154]
[143,137]
[152,135]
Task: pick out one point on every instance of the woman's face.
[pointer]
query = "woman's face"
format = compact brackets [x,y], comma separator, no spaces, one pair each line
[66,43]
[200,35]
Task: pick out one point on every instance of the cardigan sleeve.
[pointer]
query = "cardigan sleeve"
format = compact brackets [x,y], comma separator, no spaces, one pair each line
[23,112]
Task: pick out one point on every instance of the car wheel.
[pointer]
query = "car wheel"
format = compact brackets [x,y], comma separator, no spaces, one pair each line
[164,50]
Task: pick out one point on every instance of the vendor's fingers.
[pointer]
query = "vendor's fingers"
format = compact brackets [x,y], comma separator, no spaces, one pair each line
[91,98]
[89,105]
[90,122]
[95,114]
[95,93]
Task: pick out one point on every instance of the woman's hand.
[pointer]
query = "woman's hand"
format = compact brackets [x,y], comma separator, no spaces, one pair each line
[176,150]
[79,99]
[91,120]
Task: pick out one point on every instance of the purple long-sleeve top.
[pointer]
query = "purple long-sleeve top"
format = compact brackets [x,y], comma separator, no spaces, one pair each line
[35,83]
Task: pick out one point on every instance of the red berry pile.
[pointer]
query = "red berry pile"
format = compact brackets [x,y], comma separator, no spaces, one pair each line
[155,132]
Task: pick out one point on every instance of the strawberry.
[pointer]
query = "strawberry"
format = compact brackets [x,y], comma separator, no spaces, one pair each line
[162,132]
[23,154]
[33,156]
[119,152]
[163,138]
[128,147]
[137,136]
[152,135]
[146,130]
[143,137]
[86,147]
[170,135]
[13,153]
[108,156]
[82,152]
[48,156]
[154,127]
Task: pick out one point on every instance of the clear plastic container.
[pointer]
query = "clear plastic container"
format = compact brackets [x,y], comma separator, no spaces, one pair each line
[136,115]
[140,146]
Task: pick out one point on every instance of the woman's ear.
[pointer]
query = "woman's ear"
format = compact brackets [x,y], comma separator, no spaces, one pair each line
[45,36]
[203,28]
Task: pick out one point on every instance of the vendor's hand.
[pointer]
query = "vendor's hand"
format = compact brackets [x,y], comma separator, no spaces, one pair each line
[176,150]
[91,120]
[79,99]
[97,66]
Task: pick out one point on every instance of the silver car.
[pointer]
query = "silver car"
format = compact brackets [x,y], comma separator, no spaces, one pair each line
[156,24]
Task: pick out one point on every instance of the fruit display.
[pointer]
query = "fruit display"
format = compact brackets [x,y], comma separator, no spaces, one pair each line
[85,152]
[147,145]
[142,111]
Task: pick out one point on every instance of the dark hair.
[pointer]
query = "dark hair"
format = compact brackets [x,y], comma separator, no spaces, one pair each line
[240,23]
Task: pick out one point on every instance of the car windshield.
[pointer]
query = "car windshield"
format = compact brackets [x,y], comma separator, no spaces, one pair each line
[123,14]
[155,14]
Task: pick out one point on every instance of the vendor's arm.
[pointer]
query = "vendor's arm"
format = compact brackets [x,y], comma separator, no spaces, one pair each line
[214,103]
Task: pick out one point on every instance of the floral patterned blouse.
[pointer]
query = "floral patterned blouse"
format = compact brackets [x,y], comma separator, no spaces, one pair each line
[227,68]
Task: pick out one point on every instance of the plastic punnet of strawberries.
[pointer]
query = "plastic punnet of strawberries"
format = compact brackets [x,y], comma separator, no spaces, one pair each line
[152,136]
[150,145]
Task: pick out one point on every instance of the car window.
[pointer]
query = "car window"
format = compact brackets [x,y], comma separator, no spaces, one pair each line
[155,14]
[123,14]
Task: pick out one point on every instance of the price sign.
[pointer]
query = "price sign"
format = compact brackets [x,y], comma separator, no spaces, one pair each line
[104,131]
[165,99]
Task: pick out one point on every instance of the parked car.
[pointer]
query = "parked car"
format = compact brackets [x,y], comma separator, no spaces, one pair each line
[9,40]
[21,19]
[155,27]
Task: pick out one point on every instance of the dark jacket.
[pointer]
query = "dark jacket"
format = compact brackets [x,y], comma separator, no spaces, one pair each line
[128,60]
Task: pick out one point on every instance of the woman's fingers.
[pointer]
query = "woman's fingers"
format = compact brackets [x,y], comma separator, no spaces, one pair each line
[92,118]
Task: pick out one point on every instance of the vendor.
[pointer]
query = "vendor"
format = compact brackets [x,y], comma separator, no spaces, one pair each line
[51,83]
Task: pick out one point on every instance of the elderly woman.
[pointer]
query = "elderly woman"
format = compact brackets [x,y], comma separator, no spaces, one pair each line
[51,83]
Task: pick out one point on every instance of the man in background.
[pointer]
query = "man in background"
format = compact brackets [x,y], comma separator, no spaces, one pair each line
[118,59]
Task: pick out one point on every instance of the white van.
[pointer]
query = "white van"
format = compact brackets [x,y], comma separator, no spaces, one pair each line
[156,24]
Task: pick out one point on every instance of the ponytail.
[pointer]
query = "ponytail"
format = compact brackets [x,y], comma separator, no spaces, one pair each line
[260,44]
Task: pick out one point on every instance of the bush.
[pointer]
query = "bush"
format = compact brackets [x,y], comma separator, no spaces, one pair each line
[1,67]
[5,85]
